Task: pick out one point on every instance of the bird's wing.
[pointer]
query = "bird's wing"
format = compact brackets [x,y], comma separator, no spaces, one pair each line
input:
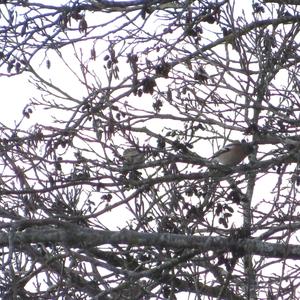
[225,149]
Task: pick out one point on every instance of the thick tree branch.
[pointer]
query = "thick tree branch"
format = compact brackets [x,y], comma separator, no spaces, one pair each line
[80,237]
[124,4]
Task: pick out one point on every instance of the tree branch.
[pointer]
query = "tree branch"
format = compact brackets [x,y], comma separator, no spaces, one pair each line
[123,4]
[80,237]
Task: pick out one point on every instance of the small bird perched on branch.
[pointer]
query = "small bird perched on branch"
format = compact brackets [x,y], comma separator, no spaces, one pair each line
[133,156]
[232,154]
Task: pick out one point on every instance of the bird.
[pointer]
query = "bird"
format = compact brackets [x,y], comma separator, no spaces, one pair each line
[234,153]
[133,156]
